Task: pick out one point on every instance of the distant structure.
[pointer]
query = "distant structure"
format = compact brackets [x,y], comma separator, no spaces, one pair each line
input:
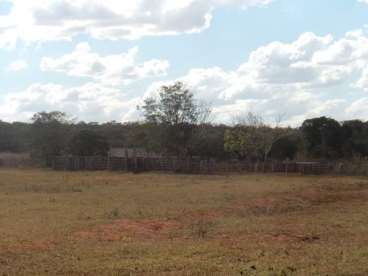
[132,153]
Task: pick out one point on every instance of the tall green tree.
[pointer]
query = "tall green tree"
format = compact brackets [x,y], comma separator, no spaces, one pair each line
[175,114]
[50,133]
[323,137]
[88,143]
[355,138]
[14,137]
[208,142]
[287,147]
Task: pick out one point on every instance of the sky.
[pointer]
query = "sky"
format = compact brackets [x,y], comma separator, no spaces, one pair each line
[98,60]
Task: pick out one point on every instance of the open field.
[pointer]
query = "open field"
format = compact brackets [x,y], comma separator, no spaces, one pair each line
[56,223]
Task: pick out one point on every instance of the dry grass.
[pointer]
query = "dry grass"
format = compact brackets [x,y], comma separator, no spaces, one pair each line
[104,223]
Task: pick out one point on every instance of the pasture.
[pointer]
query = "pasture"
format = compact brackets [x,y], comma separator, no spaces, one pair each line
[106,223]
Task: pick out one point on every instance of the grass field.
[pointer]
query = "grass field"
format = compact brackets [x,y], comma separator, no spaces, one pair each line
[55,223]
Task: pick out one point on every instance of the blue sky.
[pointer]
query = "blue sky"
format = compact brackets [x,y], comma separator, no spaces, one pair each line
[294,58]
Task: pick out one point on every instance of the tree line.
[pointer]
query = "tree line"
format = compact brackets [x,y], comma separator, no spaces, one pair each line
[176,124]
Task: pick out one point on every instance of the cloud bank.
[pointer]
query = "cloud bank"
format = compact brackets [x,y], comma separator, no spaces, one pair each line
[50,20]
[111,69]
[311,76]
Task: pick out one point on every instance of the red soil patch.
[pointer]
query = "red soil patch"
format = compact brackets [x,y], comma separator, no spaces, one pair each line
[264,202]
[205,215]
[118,230]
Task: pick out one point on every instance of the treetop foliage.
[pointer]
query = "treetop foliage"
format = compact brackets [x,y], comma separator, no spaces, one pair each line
[175,105]
[51,117]
[88,143]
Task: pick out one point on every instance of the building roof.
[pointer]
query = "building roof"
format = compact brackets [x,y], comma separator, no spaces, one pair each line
[132,152]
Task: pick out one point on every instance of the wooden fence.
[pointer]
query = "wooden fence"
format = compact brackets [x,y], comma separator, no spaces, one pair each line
[15,160]
[195,166]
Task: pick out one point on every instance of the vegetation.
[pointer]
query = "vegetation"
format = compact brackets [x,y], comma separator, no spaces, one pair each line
[176,124]
[104,223]
[48,132]
[88,143]
[176,115]
[252,139]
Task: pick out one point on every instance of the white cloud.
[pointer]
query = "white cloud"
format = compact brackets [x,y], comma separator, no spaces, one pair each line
[111,69]
[309,61]
[311,76]
[299,79]
[90,102]
[363,81]
[17,65]
[44,20]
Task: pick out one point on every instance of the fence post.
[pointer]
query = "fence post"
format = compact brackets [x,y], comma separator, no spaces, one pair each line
[108,165]
[135,164]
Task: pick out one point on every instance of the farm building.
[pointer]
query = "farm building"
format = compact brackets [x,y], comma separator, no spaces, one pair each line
[132,153]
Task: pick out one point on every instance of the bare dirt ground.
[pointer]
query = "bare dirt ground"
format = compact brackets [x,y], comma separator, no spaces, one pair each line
[101,223]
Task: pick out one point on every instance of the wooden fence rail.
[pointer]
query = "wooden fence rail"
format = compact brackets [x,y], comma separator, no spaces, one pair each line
[197,166]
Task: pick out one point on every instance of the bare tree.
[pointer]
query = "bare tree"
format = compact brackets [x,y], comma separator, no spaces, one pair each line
[252,138]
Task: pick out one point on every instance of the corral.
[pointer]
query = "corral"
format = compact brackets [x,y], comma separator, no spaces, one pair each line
[14,160]
[189,165]
[114,223]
